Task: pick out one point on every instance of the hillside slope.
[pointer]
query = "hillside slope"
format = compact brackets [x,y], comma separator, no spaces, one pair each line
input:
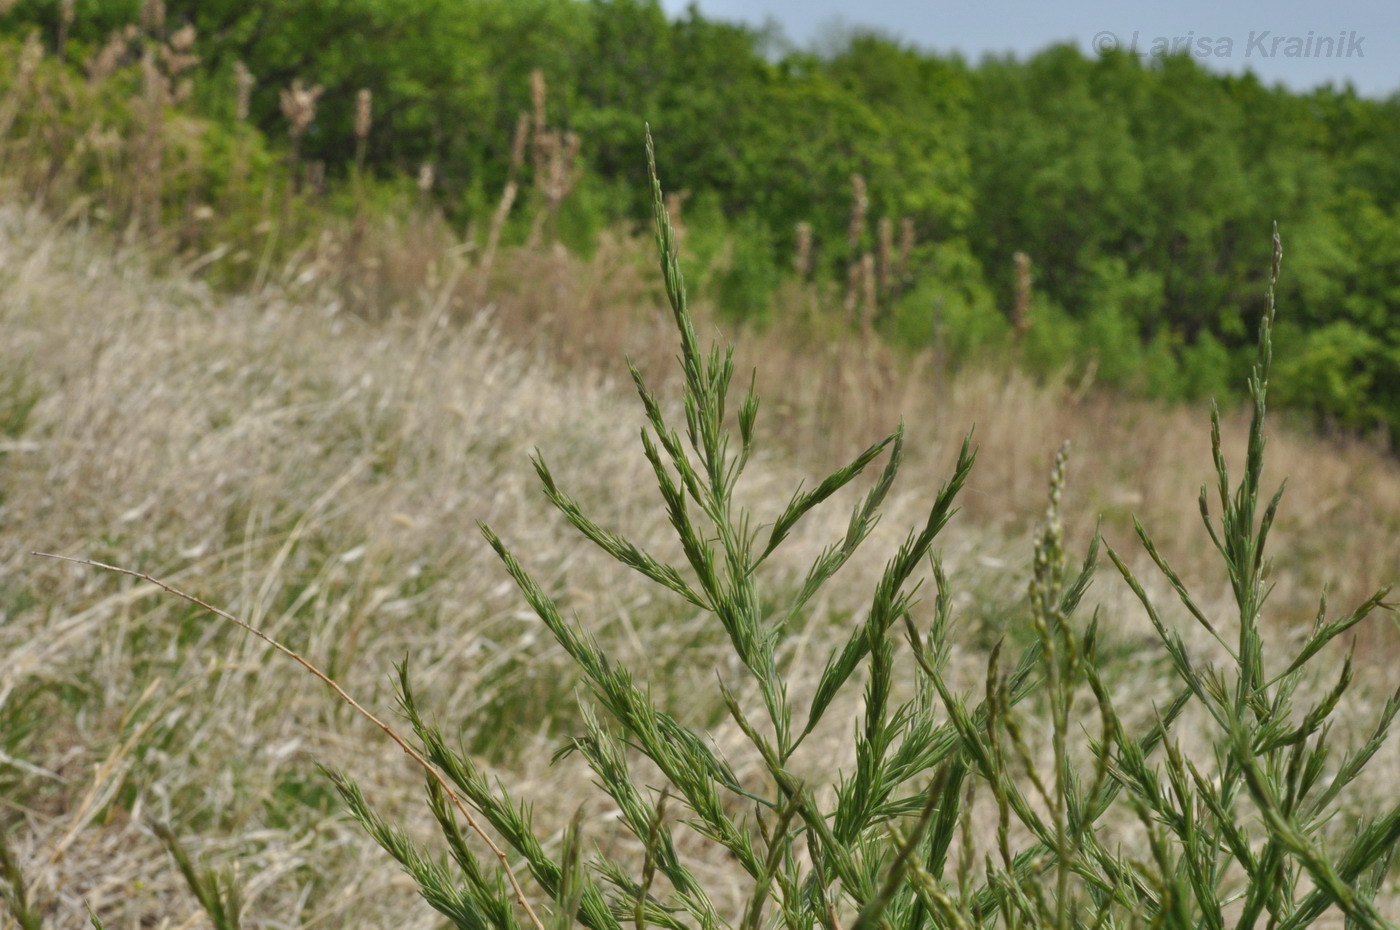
[321,477]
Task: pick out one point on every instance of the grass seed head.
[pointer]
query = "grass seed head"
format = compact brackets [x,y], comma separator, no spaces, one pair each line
[299,105]
[364,106]
[802,255]
[243,90]
[153,16]
[1021,312]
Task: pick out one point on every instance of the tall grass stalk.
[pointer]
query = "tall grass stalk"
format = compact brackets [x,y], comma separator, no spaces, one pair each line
[873,848]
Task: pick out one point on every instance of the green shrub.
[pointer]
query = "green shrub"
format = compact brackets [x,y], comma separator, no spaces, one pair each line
[950,308]
[1332,372]
[1207,369]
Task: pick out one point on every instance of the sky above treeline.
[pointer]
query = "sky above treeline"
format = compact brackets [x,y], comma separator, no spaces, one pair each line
[1299,43]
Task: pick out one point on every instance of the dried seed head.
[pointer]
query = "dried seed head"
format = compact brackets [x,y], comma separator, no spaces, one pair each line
[105,61]
[364,109]
[153,16]
[860,204]
[802,257]
[517,144]
[66,10]
[885,254]
[426,176]
[1021,312]
[561,176]
[868,281]
[176,52]
[154,83]
[538,95]
[105,141]
[537,99]
[299,105]
[183,39]
[906,244]
[29,58]
[244,82]
[852,299]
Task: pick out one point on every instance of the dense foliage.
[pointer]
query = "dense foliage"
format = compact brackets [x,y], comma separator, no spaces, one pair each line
[1138,188]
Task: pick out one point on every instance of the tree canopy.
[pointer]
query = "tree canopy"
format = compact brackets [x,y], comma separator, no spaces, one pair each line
[1142,190]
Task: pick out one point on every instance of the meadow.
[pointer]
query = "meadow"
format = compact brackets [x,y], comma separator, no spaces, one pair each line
[957,727]
[320,476]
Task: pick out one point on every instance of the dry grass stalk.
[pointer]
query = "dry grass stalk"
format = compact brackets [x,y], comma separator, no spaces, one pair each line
[298,104]
[163,85]
[802,254]
[561,173]
[493,237]
[364,106]
[178,56]
[103,63]
[860,206]
[31,54]
[1021,311]
[243,82]
[66,11]
[870,290]
[538,100]
[885,246]
[429,769]
[899,278]
[153,17]
[906,249]
[675,202]
[151,152]
[316,176]
[519,140]
[852,300]
[243,90]
[364,119]
[388,571]
[427,177]
[509,192]
[171,59]
[885,273]
[564,169]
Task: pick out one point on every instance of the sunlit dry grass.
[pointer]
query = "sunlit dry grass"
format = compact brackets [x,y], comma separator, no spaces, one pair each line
[320,475]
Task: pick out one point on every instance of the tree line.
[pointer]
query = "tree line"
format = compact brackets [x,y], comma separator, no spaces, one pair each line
[1106,212]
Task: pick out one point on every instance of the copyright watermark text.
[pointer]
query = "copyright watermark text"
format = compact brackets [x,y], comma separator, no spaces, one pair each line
[1257,43]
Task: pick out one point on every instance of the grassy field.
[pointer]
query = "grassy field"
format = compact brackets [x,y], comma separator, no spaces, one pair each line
[321,475]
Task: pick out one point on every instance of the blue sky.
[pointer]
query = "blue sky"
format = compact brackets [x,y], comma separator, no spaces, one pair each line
[1351,40]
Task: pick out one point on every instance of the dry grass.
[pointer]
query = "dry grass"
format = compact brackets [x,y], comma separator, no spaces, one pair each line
[314,458]
[320,476]
[830,390]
